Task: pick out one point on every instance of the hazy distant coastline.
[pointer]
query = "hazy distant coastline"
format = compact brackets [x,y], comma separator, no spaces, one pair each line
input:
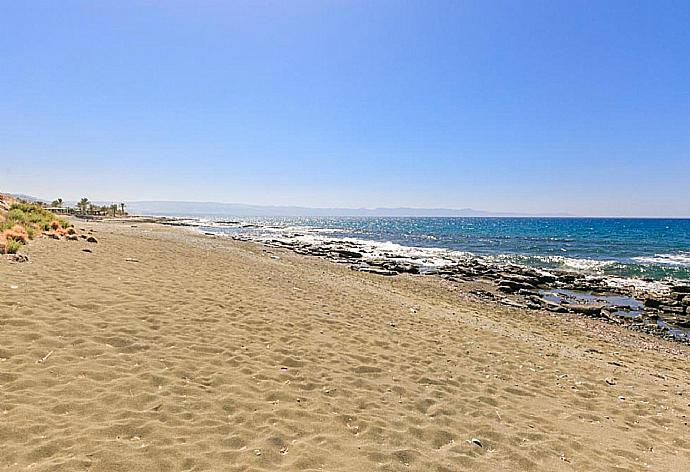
[170,208]
[218,209]
[182,208]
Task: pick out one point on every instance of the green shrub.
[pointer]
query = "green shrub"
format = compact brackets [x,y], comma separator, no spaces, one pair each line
[27,207]
[20,206]
[37,218]
[17,215]
[12,246]
[28,214]
[32,218]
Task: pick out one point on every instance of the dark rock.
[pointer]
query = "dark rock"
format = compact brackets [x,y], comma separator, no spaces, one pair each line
[380,262]
[87,250]
[394,266]
[374,270]
[681,289]
[510,286]
[567,278]
[521,279]
[348,254]
[512,303]
[404,268]
[476,442]
[672,309]
[91,239]
[507,289]
[552,306]
[483,294]
[607,315]
[585,309]
[18,258]
[652,302]
[72,237]
[545,279]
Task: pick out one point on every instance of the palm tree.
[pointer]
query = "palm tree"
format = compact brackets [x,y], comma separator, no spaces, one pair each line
[122,206]
[57,203]
[83,205]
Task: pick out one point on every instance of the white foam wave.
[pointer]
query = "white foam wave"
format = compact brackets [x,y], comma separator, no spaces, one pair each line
[440,257]
[638,284]
[681,259]
[429,257]
[579,264]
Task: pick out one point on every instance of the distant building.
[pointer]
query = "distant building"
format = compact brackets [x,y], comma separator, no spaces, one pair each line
[60,210]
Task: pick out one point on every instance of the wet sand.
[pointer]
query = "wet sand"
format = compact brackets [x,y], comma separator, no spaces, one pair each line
[165,350]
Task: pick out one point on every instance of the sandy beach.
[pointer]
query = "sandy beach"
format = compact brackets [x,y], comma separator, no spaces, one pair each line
[165,350]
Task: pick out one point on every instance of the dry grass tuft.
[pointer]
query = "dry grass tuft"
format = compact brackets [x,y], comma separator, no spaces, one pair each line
[17,233]
[9,246]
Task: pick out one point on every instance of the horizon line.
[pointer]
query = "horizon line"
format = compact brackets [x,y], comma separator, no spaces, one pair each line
[488,213]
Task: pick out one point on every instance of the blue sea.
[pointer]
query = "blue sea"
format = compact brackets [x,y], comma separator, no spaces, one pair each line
[651,249]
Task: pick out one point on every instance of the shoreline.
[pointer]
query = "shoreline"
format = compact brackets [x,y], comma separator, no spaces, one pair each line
[164,349]
[660,307]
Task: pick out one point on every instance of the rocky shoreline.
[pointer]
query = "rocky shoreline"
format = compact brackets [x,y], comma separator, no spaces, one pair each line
[658,308]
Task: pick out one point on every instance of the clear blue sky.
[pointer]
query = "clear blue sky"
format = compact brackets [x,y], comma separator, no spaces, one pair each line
[530,106]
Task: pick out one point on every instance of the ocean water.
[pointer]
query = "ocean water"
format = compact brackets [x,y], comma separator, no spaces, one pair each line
[651,249]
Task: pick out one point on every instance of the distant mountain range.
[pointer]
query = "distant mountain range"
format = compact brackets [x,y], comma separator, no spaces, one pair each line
[214,209]
[21,196]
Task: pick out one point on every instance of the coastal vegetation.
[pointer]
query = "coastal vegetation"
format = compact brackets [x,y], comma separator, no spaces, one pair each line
[11,246]
[22,221]
[34,216]
[85,207]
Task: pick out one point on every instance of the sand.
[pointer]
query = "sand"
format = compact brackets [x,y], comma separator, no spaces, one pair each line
[209,354]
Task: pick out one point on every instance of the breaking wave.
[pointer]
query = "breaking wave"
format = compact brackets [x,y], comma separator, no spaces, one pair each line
[681,259]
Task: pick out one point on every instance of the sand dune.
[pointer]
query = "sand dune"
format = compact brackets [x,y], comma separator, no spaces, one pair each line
[207,354]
